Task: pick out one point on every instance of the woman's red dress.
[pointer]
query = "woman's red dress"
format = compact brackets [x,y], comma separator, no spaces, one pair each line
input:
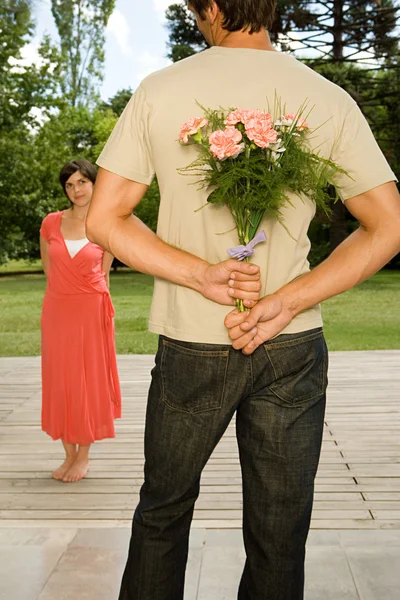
[81,392]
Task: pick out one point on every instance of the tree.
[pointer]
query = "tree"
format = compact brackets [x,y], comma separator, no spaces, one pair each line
[80,25]
[340,30]
[23,88]
[15,27]
[185,38]
[118,102]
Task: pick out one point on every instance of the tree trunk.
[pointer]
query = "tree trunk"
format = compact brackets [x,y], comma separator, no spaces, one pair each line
[337,29]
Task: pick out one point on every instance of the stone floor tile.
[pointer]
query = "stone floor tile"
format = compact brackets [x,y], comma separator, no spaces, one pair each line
[376,571]
[193,570]
[86,574]
[224,537]
[220,572]
[197,538]
[34,536]
[328,576]
[24,570]
[108,538]
[318,537]
[376,537]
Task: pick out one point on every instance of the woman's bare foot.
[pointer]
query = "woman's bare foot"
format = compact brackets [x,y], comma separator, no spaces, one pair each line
[77,471]
[62,470]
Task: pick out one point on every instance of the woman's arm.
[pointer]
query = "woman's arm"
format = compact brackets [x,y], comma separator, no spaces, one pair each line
[44,255]
[106,266]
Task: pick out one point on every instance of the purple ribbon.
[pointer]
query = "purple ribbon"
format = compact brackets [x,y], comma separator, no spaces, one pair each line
[242,252]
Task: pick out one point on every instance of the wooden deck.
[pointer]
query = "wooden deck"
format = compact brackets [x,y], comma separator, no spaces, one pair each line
[358,483]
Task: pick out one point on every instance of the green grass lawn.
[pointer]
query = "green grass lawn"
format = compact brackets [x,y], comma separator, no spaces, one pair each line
[366,318]
[21,266]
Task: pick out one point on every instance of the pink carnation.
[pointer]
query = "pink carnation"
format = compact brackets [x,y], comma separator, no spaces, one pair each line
[190,128]
[243,115]
[301,123]
[225,143]
[260,131]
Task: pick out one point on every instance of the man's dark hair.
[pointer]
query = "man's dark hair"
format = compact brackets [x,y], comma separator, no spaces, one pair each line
[82,165]
[253,15]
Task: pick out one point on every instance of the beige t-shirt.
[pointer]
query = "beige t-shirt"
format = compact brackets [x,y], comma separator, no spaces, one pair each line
[144,143]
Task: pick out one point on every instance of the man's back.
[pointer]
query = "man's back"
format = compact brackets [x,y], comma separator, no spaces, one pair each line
[233,78]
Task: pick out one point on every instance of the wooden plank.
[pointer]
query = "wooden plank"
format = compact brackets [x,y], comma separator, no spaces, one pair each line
[357,485]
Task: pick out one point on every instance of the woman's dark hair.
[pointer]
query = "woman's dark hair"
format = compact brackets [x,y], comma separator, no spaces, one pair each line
[82,165]
[253,15]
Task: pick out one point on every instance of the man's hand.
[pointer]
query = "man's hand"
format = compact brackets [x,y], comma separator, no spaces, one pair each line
[268,318]
[229,281]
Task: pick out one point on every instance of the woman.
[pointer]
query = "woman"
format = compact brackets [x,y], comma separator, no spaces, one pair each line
[81,392]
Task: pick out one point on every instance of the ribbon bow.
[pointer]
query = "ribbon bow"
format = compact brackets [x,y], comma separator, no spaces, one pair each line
[242,252]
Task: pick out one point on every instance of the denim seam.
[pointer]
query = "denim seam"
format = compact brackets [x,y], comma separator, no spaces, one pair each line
[251,373]
[189,412]
[224,384]
[193,352]
[270,361]
[299,399]
[293,341]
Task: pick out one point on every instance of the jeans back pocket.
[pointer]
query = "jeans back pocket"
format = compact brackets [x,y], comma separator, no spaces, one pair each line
[300,368]
[193,379]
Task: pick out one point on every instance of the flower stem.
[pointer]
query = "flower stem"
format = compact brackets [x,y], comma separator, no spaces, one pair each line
[243,222]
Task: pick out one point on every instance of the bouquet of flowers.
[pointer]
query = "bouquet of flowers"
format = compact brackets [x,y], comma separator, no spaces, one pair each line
[251,161]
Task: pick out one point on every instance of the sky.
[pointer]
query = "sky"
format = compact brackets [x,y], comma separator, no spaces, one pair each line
[136,41]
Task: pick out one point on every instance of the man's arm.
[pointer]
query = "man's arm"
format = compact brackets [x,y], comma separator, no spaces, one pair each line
[361,255]
[111,224]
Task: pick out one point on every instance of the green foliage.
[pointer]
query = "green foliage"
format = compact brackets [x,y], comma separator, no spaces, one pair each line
[185,38]
[337,29]
[118,102]
[16,176]
[15,28]
[147,210]
[81,25]
[22,89]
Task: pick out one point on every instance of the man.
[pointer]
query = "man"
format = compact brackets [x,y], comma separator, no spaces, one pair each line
[276,385]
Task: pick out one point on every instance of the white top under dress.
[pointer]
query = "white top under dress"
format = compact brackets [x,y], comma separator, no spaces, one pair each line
[74,246]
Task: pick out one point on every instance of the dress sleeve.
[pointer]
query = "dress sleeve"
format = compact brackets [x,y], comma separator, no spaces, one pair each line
[45,228]
[358,153]
[128,150]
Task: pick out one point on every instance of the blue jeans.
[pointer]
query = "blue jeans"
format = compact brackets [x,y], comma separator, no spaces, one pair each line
[278,395]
